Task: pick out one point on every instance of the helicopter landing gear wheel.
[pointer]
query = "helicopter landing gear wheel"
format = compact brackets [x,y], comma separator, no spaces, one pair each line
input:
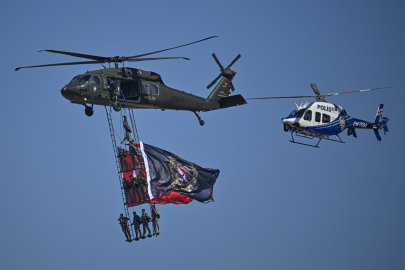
[199,119]
[88,110]
[286,128]
[116,106]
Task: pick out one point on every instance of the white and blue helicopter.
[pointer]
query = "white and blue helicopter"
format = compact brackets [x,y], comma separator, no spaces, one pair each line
[322,119]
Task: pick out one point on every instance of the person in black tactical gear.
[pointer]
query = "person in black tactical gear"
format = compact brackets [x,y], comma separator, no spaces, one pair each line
[127,130]
[135,188]
[137,221]
[121,155]
[123,222]
[145,222]
[111,86]
[127,189]
[155,222]
[143,184]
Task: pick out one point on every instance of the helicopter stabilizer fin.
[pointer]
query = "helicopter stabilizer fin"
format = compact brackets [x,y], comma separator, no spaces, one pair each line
[231,101]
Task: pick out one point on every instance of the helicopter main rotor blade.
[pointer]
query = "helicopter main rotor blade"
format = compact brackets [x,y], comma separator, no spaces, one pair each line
[350,92]
[234,60]
[140,55]
[281,97]
[214,81]
[87,56]
[315,88]
[64,64]
[157,58]
[216,60]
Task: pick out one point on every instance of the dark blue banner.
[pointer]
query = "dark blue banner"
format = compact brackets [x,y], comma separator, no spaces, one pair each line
[167,172]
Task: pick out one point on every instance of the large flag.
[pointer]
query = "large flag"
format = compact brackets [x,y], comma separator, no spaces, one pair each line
[170,176]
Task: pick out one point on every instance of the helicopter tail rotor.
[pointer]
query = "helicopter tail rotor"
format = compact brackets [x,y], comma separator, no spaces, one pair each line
[382,121]
[225,72]
[221,92]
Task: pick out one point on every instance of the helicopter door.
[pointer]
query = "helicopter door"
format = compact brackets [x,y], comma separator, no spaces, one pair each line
[95,84]
[308,118]
[105,84]
[131,89]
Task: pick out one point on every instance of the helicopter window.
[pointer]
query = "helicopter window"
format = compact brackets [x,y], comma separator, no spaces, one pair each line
[317,117]
[95,80]
[105,83]
[299,112]
[308,115]
[145,88]
[325,118]
[75,79]
[155,89]
[84,79]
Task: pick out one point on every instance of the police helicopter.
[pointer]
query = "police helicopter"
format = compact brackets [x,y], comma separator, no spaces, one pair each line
[138,89]
[322,119]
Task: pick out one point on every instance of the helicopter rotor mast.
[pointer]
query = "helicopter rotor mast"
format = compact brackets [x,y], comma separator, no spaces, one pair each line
[117,59]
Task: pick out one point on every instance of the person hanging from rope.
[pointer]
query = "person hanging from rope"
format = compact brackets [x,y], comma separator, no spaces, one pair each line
[145,222]
[143,184]
[122,153]
[127,188]
[155,222]
[137,221]
[127,130]
[123,222]
[135,188]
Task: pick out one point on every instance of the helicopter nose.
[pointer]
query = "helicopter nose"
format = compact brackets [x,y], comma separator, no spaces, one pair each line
[67,93]
[64,91]
[288,120]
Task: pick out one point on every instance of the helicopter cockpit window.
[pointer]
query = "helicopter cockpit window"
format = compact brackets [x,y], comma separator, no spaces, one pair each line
[308,115]
[95,80]
[84,79]
[298,112]
[75,79]
[317,117]
[155,89]
[145,88]
[325,118]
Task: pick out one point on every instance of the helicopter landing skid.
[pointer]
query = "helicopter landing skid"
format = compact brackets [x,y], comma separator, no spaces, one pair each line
[312,137]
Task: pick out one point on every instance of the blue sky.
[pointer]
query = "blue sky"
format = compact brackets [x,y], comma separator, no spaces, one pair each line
[278,205]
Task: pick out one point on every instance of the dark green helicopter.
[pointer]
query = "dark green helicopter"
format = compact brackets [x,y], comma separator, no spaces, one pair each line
[138,89]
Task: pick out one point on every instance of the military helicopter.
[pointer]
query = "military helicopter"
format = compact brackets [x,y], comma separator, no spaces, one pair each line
[138,89]
[322,119]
